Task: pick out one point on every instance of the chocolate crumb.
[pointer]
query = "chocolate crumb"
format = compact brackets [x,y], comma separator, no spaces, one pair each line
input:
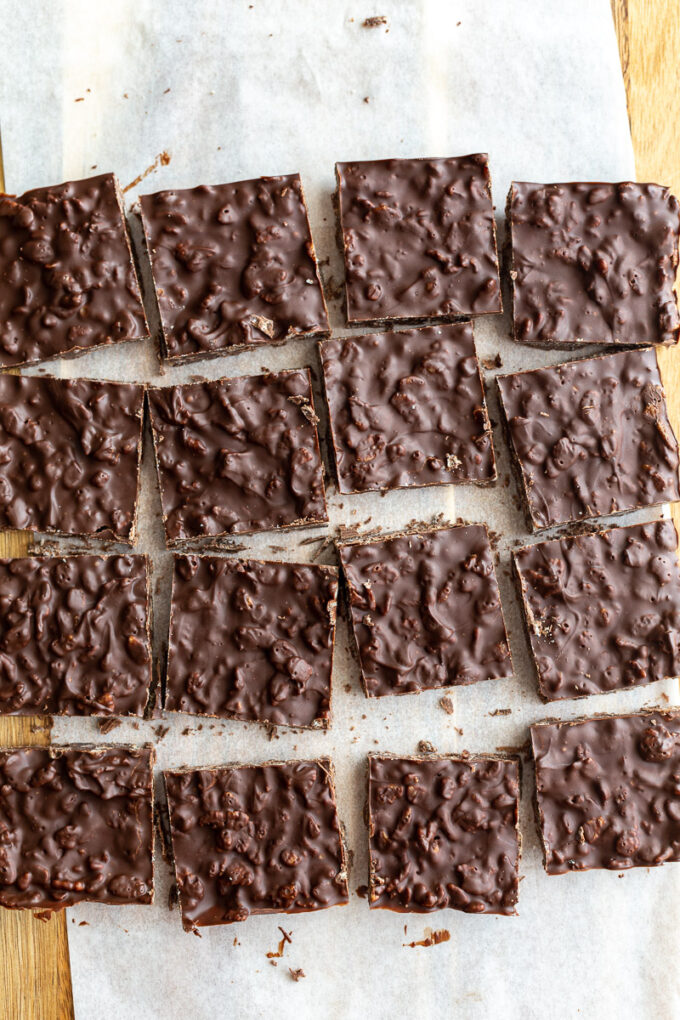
[447,704]
[106,725]
[162,159]
[489,363]
[305,407]
[432,938]
[282,944]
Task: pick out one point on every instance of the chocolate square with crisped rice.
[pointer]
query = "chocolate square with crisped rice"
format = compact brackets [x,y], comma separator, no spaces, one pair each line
[76,823]
[255,839]
[238,455]
[443,832]
[590,437]
[426,610]
[69,456]
[608,791]
[233,266]
[252,640]
[419,239]
[407,409]
[593,263]
[602,611]
[74,635]
[67,278]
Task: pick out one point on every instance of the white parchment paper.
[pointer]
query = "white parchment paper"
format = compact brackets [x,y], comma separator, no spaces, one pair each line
[232,90]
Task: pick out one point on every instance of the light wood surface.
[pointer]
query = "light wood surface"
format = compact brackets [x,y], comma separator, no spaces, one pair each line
[34,967]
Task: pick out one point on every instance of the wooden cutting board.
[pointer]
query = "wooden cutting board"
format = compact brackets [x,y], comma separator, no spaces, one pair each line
[35,980]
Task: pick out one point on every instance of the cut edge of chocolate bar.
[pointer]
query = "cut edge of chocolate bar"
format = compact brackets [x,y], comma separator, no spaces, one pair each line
[139,414]
[131,255]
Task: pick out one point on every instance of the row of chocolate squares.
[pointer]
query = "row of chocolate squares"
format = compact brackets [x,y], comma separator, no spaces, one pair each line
[254,640]
[78,824]
[589,437]
[234,266]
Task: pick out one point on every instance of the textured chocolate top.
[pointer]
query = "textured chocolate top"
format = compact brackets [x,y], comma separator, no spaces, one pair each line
[608,791]
[233,265]
[251,640]
[73,636]
[238,455]
[419,238]
[75,824]
[255,839]
[67,279]
[591,437]
[443,833]
[603,611]
[69,455]
[426,611]
[593,263]
[407,408]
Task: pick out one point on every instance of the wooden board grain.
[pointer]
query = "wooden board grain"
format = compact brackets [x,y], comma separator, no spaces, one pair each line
[34,967]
